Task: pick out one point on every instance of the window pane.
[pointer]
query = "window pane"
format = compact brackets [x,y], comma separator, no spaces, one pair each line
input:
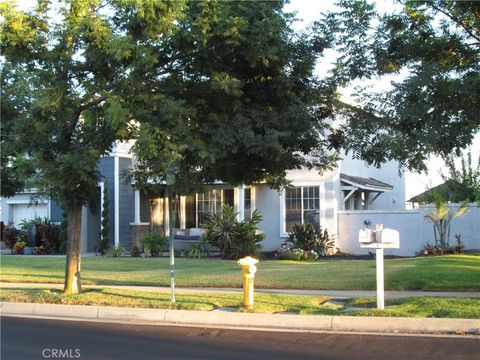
[228,197]
[191,212]
[293,212]
[248,203]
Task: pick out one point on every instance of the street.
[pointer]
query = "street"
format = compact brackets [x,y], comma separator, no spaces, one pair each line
[27,339]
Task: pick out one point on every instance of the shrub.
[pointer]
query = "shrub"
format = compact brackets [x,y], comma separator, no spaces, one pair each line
[286,253]
[49,236]
[153,243]
[40,250]
[234,239]
[135,251]
[10,235]
[116,251]
[309,237]
[19,247]
[196,250]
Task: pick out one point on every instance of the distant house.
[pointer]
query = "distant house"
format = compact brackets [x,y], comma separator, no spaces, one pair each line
[314,198]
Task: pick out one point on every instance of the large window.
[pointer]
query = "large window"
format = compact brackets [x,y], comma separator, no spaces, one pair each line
[302,205]
[197,207]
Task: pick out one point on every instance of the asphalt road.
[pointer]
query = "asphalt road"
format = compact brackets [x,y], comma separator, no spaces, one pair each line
[31,339]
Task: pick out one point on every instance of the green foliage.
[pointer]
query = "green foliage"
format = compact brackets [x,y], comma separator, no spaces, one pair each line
[135,251]
[234,239]
[309,237]
[433,106]
[196,251]
[441,217]
[463,183]
[10,235]
[105,233]
[153,243]
[116,251]
[256,96]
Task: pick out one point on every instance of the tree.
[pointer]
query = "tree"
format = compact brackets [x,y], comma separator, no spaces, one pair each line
[434,108]
[463,183]
[237,102]
[63,83]
[442,217]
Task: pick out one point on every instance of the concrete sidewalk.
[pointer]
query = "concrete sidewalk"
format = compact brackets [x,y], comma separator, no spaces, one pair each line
[223,318]
[337,294]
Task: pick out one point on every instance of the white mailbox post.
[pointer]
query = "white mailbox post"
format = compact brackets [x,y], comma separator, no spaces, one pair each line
[379,239]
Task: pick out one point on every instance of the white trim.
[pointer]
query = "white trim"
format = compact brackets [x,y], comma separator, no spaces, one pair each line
[183,212]
[323,209]
[281,198]
[137,207]
[102,200]
[116,180]
[25,201]
[139,223]
[241,203]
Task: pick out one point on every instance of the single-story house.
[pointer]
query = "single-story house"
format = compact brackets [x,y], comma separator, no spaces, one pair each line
[315,198]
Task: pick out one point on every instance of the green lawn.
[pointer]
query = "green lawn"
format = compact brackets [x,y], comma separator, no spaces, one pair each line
[264,303]
[445,273]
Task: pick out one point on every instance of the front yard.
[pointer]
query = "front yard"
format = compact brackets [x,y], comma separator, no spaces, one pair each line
[443,273]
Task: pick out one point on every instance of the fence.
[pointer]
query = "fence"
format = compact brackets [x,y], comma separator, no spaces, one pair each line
[414,230]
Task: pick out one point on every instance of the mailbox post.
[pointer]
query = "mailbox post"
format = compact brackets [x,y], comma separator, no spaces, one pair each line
[379,239]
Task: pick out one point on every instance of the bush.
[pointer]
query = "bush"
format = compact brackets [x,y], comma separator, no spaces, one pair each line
[49,236]
[432,250]
[286,253]
[10,235]
[234,239]
[153,243]
[309,237]
[135,251]
[116,251]
[196,250]
[19,247]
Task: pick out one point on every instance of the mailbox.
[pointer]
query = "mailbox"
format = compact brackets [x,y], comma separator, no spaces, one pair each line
[366,236]
[388,237]
[379,238]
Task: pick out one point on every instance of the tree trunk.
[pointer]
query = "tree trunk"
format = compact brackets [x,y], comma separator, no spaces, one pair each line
[72,270]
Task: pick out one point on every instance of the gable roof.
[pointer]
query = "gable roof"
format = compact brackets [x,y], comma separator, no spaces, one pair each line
[366,183]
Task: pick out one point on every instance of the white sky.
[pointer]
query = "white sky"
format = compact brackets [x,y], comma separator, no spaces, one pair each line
[310,10]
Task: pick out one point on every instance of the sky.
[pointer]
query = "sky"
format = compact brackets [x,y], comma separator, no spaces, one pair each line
[310,10]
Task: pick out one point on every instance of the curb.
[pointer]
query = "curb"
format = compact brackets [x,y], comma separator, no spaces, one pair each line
[218,318]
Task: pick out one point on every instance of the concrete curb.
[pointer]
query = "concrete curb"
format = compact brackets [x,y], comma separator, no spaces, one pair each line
[224,318]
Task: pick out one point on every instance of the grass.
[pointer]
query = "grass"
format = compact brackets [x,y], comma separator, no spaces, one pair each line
[264,303]
[442,273]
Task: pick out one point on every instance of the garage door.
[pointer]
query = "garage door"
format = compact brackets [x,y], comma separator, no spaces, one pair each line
[24,211]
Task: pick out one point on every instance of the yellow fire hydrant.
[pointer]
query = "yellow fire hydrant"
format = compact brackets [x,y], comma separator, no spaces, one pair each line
[249,269]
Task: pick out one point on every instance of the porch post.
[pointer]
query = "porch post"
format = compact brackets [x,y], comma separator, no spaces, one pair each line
[137,206]
[241,202]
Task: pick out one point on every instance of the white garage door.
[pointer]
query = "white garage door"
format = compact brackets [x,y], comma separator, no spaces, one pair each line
[24,211]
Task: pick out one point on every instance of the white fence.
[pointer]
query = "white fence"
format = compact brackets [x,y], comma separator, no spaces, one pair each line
[414,230]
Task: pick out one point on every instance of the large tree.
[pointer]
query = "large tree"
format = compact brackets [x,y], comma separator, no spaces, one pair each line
[65,69]
[239,103]
[433,106]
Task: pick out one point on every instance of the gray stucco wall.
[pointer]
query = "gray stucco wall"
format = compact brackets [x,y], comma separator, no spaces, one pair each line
[414,230]
[126,203]
[106,169]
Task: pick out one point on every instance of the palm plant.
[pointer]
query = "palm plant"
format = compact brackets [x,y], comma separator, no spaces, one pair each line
[441,217]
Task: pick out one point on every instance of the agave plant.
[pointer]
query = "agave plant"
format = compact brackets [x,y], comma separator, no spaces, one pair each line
[441,217]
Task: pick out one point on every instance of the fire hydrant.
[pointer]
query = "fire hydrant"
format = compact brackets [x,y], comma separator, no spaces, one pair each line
[249,269]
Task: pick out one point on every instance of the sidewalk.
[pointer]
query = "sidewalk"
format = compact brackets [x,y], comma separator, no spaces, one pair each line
[225,317]
[337,294]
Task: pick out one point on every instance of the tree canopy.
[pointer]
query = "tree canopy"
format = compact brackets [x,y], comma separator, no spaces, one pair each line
[434,107]
[238,101]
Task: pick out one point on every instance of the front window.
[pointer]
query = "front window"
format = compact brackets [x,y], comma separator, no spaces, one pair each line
[302,205]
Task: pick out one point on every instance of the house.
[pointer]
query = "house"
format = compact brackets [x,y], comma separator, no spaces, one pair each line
[315,198]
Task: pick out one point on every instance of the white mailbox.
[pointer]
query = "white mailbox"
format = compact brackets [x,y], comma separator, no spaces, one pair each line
[366,236]
[388,237]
